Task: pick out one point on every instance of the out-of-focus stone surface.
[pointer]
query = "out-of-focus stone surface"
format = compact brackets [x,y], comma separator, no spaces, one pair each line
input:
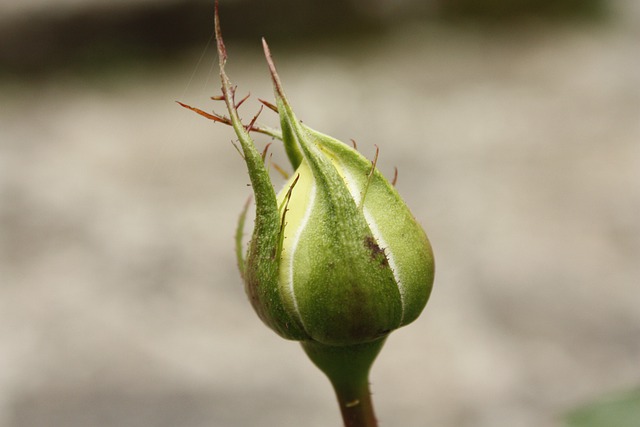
[519,151]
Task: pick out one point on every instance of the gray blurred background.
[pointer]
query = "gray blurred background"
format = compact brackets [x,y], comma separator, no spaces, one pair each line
[515,126]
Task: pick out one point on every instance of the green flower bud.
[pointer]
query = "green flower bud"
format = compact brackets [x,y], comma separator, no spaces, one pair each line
[355,264]
[352,262]
[336,257]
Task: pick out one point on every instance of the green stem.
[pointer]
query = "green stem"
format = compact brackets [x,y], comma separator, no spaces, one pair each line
[347,367]
[356,406]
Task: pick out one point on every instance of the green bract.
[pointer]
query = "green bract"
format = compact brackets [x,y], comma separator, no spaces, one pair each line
[337,257]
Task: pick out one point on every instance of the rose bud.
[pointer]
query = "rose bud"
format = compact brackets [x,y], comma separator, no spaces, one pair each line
[336,259]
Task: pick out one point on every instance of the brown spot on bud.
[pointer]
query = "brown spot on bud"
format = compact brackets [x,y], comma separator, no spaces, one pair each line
[377,253]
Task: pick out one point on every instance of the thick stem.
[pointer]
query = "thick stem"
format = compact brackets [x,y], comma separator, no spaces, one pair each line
[347,367]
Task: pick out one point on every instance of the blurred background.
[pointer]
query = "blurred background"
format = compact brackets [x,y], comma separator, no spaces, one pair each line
[515,126]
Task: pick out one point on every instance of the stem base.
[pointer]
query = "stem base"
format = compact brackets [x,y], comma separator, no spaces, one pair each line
[347,367]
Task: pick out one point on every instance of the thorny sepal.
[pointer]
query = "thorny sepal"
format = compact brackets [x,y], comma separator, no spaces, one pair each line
[334,275]
[405,243]
[289,136]
[261,267]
